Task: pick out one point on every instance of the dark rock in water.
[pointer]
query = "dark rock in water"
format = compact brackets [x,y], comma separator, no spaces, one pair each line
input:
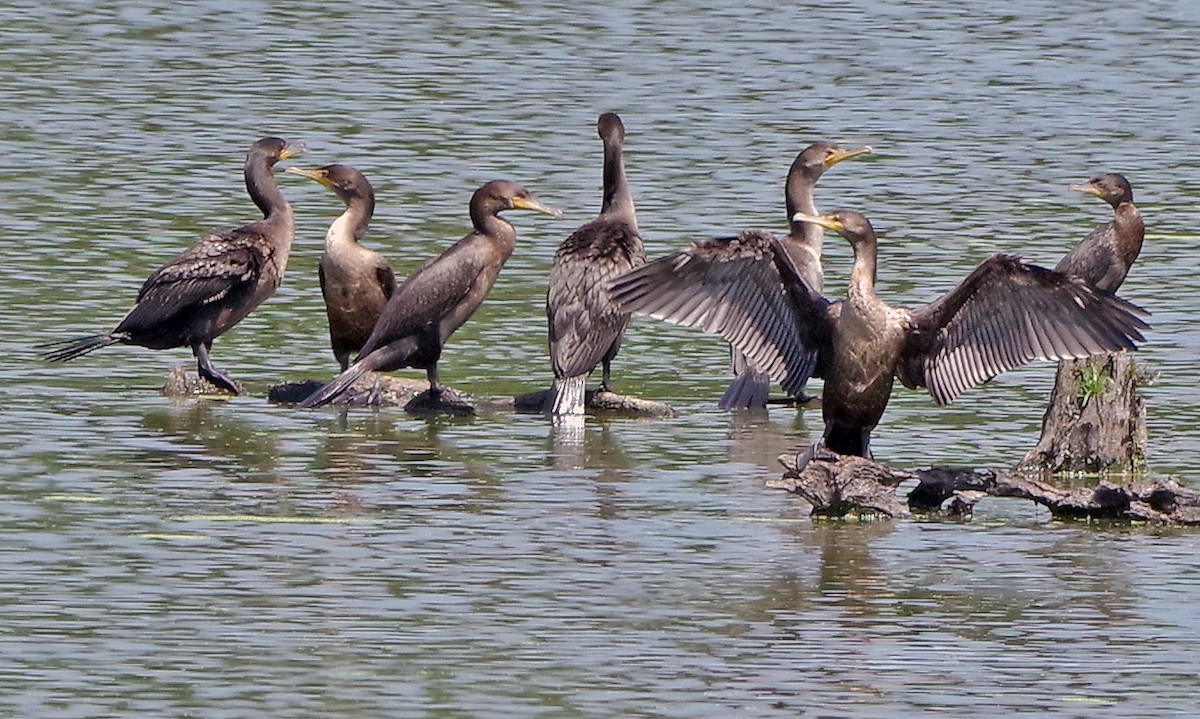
[447,401]
[596,400]
[532,402]
[181,383]
[373,390]
[293,392]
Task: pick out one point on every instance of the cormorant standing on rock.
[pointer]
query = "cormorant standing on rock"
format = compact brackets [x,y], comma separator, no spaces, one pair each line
[438,298]
[214,284]
[585,326]
[356,282]
[750,387]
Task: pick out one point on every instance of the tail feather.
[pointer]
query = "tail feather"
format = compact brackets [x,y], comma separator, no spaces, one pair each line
[567,396]
[749,390]
[383,359]
[335,387]
[69,349]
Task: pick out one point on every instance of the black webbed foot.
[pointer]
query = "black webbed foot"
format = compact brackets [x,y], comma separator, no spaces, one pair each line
[220,379]
[205,367]
[816,450]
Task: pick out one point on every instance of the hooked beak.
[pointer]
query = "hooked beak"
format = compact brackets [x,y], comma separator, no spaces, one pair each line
[829,222]
[522,203]
[318,175]
[1089,188]
[839,155]
[292,149]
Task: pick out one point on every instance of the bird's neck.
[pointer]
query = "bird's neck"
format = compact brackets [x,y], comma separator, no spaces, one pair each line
[798,195]
[862,276]
[494,227]
[354,221]
[1130,232]
[618,202]
[804,238]
[344,232]
[1129,219]
[260,183]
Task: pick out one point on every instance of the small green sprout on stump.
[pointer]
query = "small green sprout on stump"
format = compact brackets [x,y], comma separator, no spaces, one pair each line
[1093,381]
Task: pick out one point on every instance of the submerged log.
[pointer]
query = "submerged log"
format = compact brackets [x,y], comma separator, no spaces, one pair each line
[381,390]
[446,401]
[372,390]
[604,401]
[1096,422]
[847,485]
[840,485]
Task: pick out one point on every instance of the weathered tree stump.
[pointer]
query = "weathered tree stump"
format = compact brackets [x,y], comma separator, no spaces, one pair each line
[1096,422]
[853,485]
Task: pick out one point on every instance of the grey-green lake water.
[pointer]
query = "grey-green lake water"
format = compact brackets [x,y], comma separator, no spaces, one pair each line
[232,558]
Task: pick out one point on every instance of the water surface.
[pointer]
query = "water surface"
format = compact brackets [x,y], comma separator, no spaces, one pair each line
[227,557]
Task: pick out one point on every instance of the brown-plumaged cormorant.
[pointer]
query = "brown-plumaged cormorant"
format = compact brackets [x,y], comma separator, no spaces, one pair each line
[214,284]
[1103,258]
[1004,314]
[585,327]
[437,299]
[750,387]
[356,282]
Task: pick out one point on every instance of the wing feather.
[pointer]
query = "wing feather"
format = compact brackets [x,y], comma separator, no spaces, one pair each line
[423,299]
[734,287]
[1005,314]
[206,272]
[585,324]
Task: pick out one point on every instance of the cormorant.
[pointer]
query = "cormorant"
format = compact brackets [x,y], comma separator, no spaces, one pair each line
[356,282]
[1103,258]
[214,284]
[437,299]
[585,326]
[1004,314]
[750,387]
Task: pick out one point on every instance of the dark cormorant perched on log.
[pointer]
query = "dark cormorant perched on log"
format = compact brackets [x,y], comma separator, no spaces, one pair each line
[1103,258]
[214,284]
[356,282]
[1085,430]
[585,326]
[750,387]
[1004,314]
[438,298]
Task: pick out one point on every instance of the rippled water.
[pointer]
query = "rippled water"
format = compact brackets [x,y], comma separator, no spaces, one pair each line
[222,558]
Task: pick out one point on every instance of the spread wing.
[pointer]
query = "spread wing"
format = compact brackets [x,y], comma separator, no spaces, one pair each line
[206,272]
[1005,314]
[745,289]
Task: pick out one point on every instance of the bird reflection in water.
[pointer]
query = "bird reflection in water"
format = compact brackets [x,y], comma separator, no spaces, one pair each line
[210,433]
